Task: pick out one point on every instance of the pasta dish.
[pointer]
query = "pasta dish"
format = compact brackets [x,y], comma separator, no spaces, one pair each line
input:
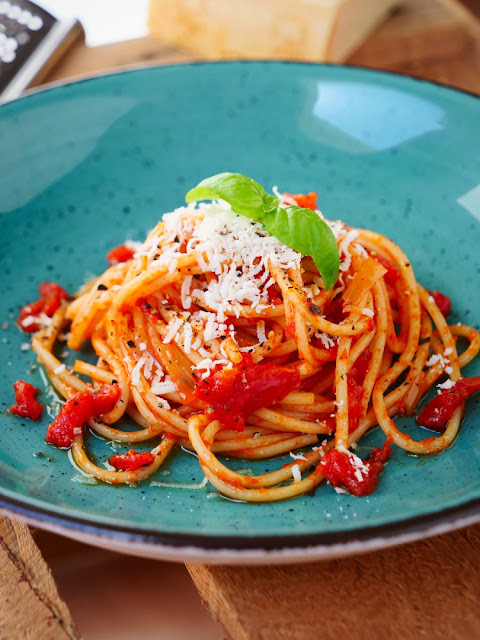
[248,326]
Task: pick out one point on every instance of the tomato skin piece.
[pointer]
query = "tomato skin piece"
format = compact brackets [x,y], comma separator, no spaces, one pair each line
[355,397]
[122,253]
[304,200]
[51,295]
[355,389]
[339,468]
[380,456]
[235,393]
[105,399]
[26,405]
[436,414]
[77,411]
[132,460]
[393,273]
[442,301]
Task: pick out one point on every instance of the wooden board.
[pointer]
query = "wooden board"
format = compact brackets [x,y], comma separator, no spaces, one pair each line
[428,589]
[30,606]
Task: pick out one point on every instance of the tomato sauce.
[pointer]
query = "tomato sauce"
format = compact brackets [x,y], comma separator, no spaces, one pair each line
[26,405]
[342,469]
[78,410]
[233,394]
[355,389]
[442,301]
[305,200]
[393,273]
[132,460]
[436,414]
[122,253]
[51,295]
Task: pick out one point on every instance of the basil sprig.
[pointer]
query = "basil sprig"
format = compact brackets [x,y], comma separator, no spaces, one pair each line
[300,229]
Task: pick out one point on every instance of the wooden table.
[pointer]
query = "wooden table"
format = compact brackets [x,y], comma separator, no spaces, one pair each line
[427,589]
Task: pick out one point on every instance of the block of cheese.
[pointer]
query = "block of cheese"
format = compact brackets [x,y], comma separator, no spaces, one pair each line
[311,30]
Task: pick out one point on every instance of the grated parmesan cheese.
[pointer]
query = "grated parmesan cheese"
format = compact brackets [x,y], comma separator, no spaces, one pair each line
[349,237]
[186,298]
[297,456]
[173,328]
[327,341]
[60,369]
[234,248]
[434,359]
[358,464]
[261,332]
[168,386]
[297,476]
[448,384]
[135,377]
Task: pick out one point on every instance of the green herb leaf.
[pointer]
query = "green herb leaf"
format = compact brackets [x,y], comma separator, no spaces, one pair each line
[300,229]
[244,195]
[304,231]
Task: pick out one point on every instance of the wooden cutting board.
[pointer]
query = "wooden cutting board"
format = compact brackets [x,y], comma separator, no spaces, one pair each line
[428,589]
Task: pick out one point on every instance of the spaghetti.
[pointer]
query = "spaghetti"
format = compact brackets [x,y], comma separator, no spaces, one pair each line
[214,336]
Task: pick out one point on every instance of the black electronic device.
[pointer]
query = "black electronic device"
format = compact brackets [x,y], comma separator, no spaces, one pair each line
[31,41]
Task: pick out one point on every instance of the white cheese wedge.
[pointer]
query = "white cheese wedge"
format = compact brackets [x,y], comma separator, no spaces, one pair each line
[314,30]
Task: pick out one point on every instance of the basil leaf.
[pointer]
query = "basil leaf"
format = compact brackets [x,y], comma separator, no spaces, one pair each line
[244,195]
[304,231]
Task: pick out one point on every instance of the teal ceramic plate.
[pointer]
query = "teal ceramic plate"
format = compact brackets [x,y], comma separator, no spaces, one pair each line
[86,165]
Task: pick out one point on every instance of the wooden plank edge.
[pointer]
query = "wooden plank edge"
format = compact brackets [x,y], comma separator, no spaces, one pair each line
[30,605]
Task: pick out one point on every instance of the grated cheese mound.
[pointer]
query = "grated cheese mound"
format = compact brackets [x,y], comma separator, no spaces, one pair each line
[238,252]
[234,248]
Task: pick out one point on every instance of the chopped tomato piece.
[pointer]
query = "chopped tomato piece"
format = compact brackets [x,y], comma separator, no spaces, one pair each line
[442,301]
[355,397]
[305,200]
[132,460]
[235,393]
[274,295]
[122,253]
[51,295]
[355,389]
[78,410]
[26,406]
[146,307]
[393,272]
[436,414]
[360,368]
[344,469]
[380,456]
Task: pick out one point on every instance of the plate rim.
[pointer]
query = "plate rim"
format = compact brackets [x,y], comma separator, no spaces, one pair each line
[76,80]
[242,550]
[261,549]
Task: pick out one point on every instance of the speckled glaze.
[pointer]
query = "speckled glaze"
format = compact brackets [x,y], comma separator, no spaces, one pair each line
[86,165]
